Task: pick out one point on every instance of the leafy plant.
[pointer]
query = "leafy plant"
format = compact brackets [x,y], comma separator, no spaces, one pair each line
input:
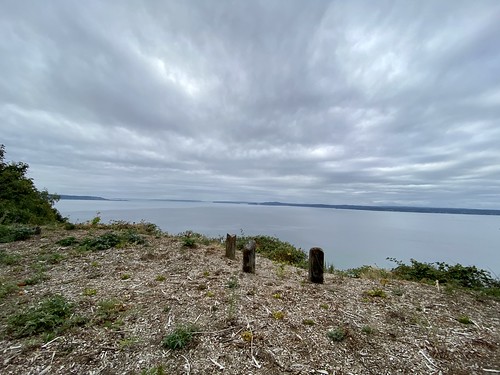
[154,371]
[278,315]
[49,315]
[308,322]
[6,288]
[232,283]
[180,337]
[276,250]
[337,334]
[8,259]
[367,330]
[68,241]
[376,293]
[103,242]
[12,233]
[466,277]
[464,319]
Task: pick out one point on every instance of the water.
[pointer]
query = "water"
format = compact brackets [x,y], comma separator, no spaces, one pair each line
[350,238]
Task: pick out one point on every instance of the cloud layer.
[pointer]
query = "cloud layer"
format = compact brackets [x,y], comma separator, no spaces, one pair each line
[334,102]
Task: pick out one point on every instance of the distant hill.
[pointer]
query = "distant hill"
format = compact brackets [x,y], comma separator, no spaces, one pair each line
[82,197]
[433,210]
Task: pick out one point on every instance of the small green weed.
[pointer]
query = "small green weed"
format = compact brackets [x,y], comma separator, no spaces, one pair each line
[180,337]
[367,330]
[9,259]
[375,293]
[232,283]
[158,370]
[108,312]
[308,322]
[160,278]
[464,319]
[51,314]
[89,292]
[125,276]
[337,334]
[278,315]
[324,306]
[6,287]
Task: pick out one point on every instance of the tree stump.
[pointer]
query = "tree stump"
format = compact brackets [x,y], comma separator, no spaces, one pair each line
[316,265]
[230,246]
[249,257]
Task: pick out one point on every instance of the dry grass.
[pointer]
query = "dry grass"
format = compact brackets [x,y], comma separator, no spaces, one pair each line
[414,329]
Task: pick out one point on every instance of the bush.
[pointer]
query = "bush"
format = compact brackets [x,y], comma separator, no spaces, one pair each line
[466,277]
[49,315]
[11,233]
[276,250]
[180,337]
[20,201]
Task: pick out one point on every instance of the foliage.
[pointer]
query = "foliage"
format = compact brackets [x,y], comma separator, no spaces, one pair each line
[276,250]
[6,288]
[108,312]
[464,319]
[376,293]
[466,277]
[11,233]
[103,242]
[20,201]
[8,259]
[68,241]
[154,371]
[180,337]
[51,314]
[337,334]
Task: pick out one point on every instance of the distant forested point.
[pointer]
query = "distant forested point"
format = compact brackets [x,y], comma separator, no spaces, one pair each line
[82,197]
[431,210]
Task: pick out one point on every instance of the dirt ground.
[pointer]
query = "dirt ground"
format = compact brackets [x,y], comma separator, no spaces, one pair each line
[270,322]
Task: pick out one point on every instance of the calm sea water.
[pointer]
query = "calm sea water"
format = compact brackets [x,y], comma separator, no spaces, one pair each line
[350,238]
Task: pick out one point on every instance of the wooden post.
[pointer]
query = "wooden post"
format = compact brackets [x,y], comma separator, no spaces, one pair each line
[231,246]
[249,257]
[316,264]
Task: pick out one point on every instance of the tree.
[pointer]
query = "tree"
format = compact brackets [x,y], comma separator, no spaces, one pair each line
[20,201]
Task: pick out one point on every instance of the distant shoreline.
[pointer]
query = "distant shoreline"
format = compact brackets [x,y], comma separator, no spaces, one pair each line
[432,210]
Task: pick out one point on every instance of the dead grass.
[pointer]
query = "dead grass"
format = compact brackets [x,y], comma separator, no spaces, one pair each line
[413,329]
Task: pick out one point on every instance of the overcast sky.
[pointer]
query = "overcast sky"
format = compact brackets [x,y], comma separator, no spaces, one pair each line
[340,102]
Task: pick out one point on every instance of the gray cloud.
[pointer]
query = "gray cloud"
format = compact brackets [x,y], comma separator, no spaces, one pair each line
[334,102]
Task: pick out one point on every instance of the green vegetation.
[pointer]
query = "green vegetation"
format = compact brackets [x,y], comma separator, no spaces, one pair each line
[464,319]
[180,337]
[154,371]
[337,334]
[375,293]
[457,275]
[20,201]
[52,314]
[108,313]
[276,250]
[8,259]
[6,287]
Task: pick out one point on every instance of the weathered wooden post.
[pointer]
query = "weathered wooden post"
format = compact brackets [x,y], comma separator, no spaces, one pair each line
[249,257]
[231,246]
[316,264]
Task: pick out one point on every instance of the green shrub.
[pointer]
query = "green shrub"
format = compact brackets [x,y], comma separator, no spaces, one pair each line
[466,277]
[51,314]
[337,334]
[275,249]
[104,242]
[180,337]
[20,201]
[68,241]
[11,233]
